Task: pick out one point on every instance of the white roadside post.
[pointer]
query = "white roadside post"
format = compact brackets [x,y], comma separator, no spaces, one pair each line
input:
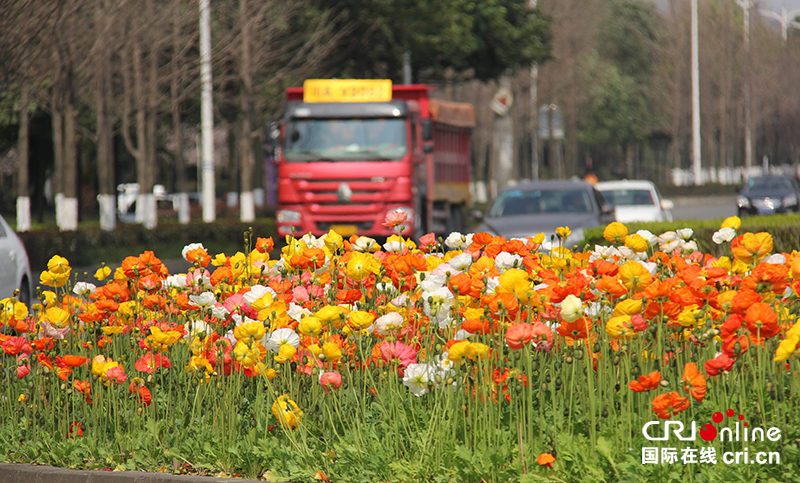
[207,116]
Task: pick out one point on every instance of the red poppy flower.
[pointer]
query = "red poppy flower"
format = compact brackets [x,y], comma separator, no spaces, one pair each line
[667,405]
[645,383]
[695,382]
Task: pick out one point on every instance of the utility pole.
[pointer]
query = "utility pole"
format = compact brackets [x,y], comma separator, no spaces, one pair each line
[696,154]
[534,115]
[207,115]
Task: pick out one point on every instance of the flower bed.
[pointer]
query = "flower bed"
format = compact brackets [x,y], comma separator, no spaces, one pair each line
[473,358]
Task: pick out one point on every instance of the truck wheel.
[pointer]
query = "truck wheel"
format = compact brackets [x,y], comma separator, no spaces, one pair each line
[455,220]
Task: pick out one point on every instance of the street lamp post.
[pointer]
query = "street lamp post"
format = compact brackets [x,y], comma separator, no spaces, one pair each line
[746,5]
[696,153]
[786,19]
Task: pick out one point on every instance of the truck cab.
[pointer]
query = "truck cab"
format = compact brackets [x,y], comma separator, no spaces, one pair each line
[350,152]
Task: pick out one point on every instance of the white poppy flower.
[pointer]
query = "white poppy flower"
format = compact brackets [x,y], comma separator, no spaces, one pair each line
[84,289]
[685,233]
[457,241]
[278,337]
[571,308]
[363,244]
[723,235]
[204,300]
[504,260]
[461,262]
[417,376]
[256,292]
[648,235]
[385,323]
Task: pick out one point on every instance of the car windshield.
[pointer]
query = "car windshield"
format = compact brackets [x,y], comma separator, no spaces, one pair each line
[536,202]
[382,139]
[629,197]
[769,183]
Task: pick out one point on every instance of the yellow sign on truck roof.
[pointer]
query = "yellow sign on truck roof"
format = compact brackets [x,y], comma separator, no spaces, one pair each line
[347,90]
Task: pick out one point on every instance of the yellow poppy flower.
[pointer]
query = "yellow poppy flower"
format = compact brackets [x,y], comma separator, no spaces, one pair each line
[331,351]
[311,326]
[287,412]
[628,307]
[620,328]
[102,273]
[285,353]
[634,276]
[360,320]
[57,317]
[615,232]
[732,222]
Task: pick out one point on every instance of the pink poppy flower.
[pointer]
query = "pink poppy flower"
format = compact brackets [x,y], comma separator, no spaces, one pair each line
[330,380]
[150,362]
[398,353]
[395,219]
[117,375]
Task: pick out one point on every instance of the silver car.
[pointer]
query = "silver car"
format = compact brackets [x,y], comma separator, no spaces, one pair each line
[540,207]
[15,270]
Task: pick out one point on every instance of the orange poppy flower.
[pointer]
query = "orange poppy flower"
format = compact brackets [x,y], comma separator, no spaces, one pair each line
[667,405]
[221,274]
[265,245]
[751,247]
[477,326]
[546,459]
[45,343]
[762,322]
[611,286]
[199,255]
[768,276]
[743,300]
[72,361]
[44,360]
[518,335]
[480,241]
[575,330]
[695,382]
[154,302]
[460,284]
[645,383]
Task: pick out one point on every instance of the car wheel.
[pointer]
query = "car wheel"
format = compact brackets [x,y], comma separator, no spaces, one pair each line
[25,292]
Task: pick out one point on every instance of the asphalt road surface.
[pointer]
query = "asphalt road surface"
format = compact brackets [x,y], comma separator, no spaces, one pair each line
[704,208]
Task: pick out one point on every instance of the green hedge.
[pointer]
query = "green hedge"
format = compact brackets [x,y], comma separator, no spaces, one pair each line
[785,231]
[80,247]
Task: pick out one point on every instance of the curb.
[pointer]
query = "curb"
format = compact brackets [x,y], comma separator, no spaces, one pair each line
[25,473]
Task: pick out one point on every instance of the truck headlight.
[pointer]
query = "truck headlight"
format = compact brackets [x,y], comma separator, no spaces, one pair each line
[287,216]
[742,202]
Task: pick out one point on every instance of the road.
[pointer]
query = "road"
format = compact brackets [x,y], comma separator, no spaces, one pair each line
[704,208]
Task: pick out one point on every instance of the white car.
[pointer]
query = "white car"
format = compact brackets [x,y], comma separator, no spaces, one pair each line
[636,200]
[15,270]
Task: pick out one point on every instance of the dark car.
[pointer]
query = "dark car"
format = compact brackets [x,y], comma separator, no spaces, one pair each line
[541,207]
[765,195]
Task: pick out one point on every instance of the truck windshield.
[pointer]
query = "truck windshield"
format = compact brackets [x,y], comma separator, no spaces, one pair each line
[382,139]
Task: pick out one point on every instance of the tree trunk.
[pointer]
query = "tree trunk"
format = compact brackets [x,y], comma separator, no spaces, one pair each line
[57,179]
[23,201]
[105,155]
[151,166]
[70,204]
[177,128]
[246,201]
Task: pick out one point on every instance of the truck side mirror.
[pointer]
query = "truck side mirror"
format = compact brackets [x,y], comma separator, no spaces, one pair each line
[427,130]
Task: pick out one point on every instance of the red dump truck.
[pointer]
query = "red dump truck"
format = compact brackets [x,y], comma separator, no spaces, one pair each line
[351,151]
